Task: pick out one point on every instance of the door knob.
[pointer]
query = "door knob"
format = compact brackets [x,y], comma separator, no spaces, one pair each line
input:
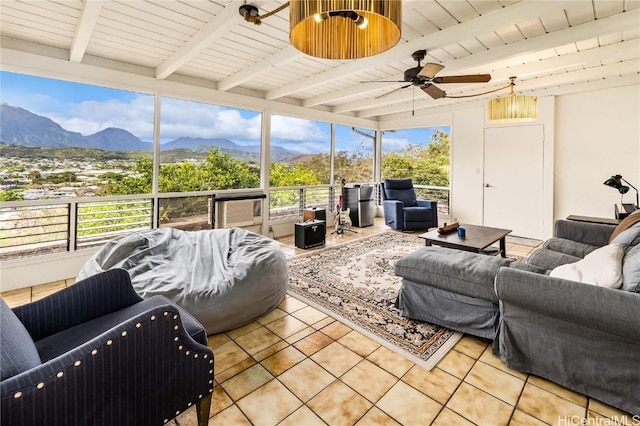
[486,185]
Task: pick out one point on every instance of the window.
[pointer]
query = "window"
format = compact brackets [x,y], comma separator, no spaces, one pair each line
[419,154]
[62,139]
[300,156]
[353,154]
[300,152]
[208,147]
[422,155]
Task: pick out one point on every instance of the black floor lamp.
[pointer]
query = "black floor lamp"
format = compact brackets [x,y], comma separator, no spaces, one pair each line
[616,182]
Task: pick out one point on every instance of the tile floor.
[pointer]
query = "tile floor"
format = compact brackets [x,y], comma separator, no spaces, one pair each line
[296,366]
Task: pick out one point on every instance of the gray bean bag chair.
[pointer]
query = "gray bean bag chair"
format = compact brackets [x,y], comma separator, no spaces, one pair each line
[224,277]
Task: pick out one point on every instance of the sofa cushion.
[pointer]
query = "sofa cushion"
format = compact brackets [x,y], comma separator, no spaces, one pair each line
[417,214]
[631,269]
[18,352]
[457,271]
[522,266]
[550,259]
[572,248]
[602,267]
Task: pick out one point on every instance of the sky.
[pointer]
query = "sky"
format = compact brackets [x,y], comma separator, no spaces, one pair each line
[88,109]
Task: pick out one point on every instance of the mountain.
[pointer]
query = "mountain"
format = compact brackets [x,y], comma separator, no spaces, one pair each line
[197,144]
[115,139]
[21,127]
[24,128]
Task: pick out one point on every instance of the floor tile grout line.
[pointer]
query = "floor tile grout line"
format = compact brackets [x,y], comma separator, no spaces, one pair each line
[31,291]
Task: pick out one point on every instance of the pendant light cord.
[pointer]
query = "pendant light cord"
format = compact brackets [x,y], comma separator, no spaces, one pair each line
[483,93]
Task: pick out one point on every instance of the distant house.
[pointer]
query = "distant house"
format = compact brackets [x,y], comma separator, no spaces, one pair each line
[34,194]
[8,184]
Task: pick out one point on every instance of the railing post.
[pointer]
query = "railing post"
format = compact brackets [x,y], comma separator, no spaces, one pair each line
[332,198]
[301,201]
[72,226]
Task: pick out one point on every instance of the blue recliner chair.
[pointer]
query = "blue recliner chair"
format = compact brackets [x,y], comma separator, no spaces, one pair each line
[95,353]
[402,210]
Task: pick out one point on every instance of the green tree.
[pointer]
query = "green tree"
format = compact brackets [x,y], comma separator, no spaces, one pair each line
[425,165]
[221,171]
[292,175]
[63,177]
[12,195]
[139,183]
[35,175]
[354,167]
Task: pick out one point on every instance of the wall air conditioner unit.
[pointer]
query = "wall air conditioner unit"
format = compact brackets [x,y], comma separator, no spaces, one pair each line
[238,213]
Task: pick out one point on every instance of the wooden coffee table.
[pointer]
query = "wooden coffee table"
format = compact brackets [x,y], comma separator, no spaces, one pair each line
[477,238]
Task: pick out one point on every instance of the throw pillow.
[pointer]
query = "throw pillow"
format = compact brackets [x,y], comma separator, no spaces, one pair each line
[624,224]
[629,237]
[18,353]
[631,270]
[601,267]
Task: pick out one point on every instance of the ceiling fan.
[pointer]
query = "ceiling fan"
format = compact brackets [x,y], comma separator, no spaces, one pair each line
[424,77]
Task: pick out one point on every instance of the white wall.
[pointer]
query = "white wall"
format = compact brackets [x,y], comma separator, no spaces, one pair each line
[467,186]
[467,168]
[27,272]
[589,136]
[597,135]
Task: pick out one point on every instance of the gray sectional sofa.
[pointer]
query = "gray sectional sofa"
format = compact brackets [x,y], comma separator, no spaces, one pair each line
[581,336]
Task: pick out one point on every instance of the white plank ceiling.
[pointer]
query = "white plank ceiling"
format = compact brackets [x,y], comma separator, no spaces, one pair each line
[553,47]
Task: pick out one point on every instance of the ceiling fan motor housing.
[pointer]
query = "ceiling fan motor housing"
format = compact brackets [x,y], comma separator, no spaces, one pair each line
[411,76]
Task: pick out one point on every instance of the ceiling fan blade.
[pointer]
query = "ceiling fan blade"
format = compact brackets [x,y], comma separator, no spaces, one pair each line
[393,91]
[433,91]
[471,78]
[430,70]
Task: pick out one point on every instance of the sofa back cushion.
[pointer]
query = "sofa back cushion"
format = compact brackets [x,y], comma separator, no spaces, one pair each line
[400,189]
[631,269]
[628,238]
[18,353]
[625,224]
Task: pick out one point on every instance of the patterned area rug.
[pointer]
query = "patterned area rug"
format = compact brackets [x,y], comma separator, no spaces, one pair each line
[355,283]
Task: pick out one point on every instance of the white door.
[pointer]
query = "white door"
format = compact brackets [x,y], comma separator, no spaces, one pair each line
[513,179]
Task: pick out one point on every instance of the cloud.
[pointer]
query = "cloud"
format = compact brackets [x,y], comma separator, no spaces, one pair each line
[297,129]
[134,112]
[186,118]
[394,144]
[88,117]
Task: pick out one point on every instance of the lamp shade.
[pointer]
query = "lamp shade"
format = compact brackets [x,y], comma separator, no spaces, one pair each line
[513,109]
[344,29]
[616,183]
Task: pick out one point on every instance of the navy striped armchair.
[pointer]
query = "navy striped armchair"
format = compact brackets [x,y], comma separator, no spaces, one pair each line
[95,353]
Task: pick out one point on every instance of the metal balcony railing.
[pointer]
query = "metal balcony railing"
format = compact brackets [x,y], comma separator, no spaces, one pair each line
[286,203]
[98,222]
[34,228]
[31,228]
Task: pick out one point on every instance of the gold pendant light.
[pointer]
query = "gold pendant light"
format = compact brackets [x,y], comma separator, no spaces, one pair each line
[344,29]
[513,108]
